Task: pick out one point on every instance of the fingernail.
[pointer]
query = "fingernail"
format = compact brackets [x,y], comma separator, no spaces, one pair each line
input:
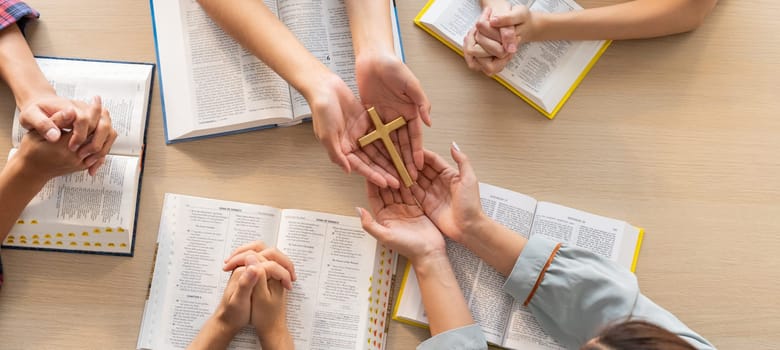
[92,162]
[84,154]
[455,146]
[512,48]
[52,135]
[360,213]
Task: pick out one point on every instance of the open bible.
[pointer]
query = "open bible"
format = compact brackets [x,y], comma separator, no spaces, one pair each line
[543,73]
[78,212]
[211,86]
[505,321]
[339,301]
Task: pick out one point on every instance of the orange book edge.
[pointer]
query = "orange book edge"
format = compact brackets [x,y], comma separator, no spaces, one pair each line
[550,115]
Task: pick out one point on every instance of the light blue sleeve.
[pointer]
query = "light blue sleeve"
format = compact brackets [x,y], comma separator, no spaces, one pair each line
[463,338]
[575,294]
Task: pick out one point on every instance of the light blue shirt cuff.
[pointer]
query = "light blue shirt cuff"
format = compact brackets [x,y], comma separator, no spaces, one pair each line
[463,338]
[528,266]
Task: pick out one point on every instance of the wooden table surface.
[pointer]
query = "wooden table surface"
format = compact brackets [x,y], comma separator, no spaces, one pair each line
[679,135]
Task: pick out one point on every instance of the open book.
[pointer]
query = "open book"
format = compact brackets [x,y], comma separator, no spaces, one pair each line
[338,302]
[544,73]
[78,212]
[211,86]
[504,320]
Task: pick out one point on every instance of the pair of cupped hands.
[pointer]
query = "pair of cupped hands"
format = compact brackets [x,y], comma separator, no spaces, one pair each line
[65,136]
[387,84]
[413,221]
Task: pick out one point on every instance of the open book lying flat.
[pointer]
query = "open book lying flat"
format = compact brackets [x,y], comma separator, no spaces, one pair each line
[339,301]
[504,320]
[211,86]
[78,212]
[543,73]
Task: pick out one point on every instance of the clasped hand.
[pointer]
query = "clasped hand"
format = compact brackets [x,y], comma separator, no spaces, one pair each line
[255,293]
[494,40]
[89,140]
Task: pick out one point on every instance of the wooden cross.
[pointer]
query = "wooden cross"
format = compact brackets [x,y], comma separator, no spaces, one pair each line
[383,132]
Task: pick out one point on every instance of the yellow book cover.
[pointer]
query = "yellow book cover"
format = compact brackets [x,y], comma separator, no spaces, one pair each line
[564,64]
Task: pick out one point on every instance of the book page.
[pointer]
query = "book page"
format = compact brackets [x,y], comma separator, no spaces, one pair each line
[210,83]
[542,71]
[104,200]
[610,238]
[204,233]
[482,285]
[123,87]
[489,303]
[549,69]
[452,19]
[334,260]
[525,332]
[598,234]
[323,29]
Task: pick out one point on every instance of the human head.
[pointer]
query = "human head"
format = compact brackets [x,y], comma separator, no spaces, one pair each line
[636,335]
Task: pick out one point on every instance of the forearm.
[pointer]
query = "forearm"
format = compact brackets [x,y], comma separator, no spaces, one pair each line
[256,28]
[495,244]
[19,69]
[630,20]
[443,300]
[17,188]
[369,22]
[213,335]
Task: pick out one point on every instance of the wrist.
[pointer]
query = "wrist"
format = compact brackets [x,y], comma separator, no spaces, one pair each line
[431,261]
[477,230]
[222,328]
[540,23]
[320,84]
[28,94]
[279,338]
[213,335]
[19,169]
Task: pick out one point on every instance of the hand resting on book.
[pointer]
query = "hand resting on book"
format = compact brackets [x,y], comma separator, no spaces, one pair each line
[488,48]
[488,51]
[35,163]
[256,295]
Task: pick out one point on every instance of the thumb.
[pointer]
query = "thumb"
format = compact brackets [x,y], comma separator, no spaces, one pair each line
[335,154]
[508,38]
[464,164]
[246,282]
[40,122]
[63,119]
[516,16]
[373,228]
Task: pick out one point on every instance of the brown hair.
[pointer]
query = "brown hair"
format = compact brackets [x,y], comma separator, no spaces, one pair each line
[636,335]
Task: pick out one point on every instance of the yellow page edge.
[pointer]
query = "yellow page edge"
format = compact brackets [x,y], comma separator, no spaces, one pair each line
[638,247]
[395,317]
[551,115]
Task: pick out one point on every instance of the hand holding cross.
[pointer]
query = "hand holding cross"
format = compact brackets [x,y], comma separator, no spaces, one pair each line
[382,132]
